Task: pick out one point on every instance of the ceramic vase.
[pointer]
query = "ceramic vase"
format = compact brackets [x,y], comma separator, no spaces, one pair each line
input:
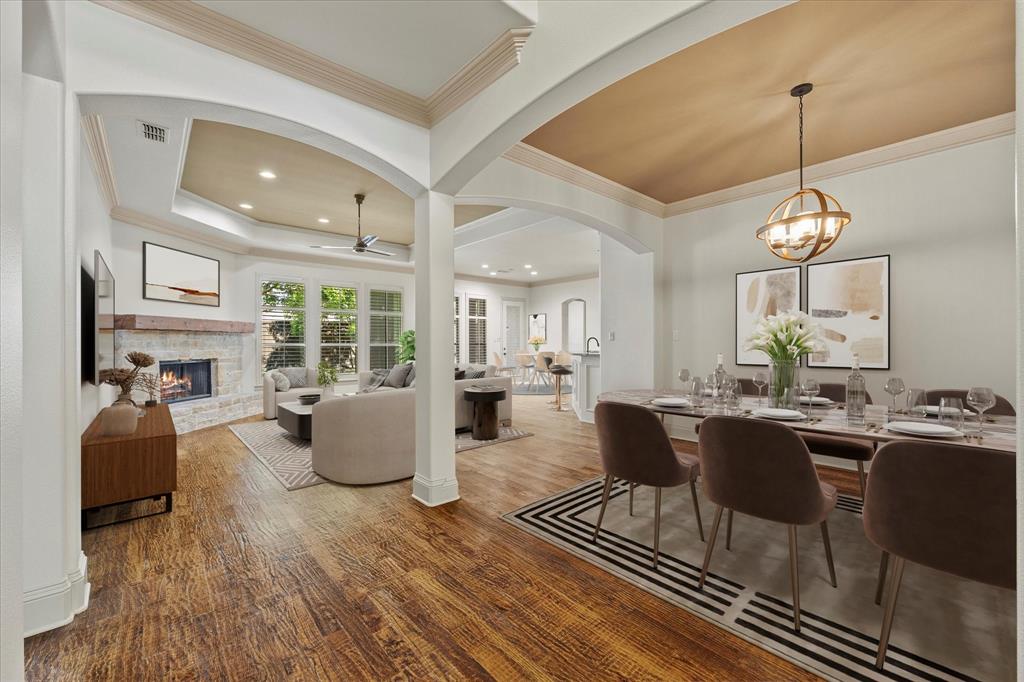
[120,419]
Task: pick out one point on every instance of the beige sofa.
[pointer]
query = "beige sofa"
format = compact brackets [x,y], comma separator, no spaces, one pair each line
[272,397]
[371,437]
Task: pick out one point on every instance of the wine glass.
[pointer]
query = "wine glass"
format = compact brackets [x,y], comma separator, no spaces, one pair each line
[698,391]
[917,401]
[760,381]
[811,388]
[684,375]
[951,413]
[894,387]
[729,390]
[981,399]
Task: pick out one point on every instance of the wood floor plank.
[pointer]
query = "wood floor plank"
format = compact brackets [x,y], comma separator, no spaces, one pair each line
[245,580]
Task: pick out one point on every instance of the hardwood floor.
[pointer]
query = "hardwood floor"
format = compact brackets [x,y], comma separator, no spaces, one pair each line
[248,581]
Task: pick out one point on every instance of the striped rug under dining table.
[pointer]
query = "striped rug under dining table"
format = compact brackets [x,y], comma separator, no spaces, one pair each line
[1000,433]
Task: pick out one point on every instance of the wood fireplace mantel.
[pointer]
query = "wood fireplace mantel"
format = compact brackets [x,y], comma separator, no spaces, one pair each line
[181,324]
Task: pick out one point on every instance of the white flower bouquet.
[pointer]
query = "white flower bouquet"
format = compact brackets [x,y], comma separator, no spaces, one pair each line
[785,338]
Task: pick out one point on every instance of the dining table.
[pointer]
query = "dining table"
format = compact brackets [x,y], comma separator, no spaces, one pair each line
[1000,432]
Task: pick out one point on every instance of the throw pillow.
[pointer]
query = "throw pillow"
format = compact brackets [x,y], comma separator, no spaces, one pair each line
[475,373]
[376,381]
[410,380]
[397,375]
[281,382]
[460,374]
[296,376]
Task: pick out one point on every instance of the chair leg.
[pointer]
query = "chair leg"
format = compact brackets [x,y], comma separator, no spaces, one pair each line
[631,487]
[696,509]
[890,609]
[794,577]
[883,566]
[711,547]
[608,480]
[657,522]
[828,553]
[863,479]
[728,532]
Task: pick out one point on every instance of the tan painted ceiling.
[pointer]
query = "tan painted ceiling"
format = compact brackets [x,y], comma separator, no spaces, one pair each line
[719,114]
[223,162]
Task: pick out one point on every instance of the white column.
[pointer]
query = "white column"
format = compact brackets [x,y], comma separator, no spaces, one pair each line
[1019,155]
[11,229]
[435,482]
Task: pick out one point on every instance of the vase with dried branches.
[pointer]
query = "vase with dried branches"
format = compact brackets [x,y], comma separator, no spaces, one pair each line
[128,379]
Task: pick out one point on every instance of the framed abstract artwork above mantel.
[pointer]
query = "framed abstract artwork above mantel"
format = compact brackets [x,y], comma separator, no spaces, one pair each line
[850,300]
[179,276]
[759,294]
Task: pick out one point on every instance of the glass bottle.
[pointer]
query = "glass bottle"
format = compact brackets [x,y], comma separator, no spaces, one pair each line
[855,393]
[719,387]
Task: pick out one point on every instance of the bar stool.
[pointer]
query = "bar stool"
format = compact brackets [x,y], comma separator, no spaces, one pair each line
[559,371]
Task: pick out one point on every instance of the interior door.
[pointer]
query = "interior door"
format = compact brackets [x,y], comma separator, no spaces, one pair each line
[512,315]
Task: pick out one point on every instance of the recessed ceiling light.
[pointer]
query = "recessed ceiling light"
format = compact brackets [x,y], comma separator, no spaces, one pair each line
[527,266]
[268,174]
[323,220]
[534,273]
[245,206]
[493,273]
[485,266]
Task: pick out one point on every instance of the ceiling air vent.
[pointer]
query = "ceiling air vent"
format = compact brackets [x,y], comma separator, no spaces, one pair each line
[152,132]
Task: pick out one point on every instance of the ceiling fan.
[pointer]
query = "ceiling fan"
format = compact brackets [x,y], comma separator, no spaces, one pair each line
[362,244]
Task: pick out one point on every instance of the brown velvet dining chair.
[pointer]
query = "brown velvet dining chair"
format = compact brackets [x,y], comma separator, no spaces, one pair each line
[907,514]
[635,447]
[763,469]
[1003,407]
[855,449]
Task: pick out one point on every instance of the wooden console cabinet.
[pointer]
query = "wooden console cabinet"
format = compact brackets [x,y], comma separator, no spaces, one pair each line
[118,469]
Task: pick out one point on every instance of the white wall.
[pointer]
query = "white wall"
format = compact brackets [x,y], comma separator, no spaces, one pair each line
[94,234]
[548,298]
[627,317]
[946,219]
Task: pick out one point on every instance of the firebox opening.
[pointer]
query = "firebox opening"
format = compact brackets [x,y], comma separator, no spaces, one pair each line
[182,380]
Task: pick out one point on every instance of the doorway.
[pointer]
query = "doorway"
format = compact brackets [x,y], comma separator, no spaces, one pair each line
[513,312]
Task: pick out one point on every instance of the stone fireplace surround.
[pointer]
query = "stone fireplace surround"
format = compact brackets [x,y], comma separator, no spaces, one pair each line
[225,343]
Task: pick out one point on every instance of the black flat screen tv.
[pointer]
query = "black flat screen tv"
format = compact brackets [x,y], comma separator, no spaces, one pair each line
[98,348]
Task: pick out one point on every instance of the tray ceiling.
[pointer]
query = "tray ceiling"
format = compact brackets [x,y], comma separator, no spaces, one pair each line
[719,114]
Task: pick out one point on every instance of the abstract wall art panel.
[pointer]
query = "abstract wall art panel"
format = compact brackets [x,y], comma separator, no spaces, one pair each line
[172,275]
[850,300]
[758,295]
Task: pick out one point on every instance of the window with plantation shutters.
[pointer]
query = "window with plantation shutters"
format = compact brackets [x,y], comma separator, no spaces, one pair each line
[476,330]
[457,334]
[282,324]
[385,326]
[339,314]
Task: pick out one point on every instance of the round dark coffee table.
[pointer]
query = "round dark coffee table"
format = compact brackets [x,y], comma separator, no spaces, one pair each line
[485,401]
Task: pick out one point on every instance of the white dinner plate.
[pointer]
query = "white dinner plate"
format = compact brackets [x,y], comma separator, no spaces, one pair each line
[816,400]
[778,413]
[671,402]
[925,429]
[933,410]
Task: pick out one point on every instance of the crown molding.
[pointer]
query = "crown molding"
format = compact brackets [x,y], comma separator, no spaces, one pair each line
[195,22]
[542,162]
[150,222]
[563,280]
[969,133]
[96,139]
[497,59]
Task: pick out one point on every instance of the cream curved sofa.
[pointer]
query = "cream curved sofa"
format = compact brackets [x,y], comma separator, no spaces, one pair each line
[371,437]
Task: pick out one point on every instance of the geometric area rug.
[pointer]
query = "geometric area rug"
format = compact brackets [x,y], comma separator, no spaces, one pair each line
[290,459]
[946,628]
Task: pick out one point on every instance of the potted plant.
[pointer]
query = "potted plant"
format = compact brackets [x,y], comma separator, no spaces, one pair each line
[407,346]
[785,338]
[326,377]
[535,341]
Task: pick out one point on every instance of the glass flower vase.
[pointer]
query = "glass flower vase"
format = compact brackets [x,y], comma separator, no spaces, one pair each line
[784,384]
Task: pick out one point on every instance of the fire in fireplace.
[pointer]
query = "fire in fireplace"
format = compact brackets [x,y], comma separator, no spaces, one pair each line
[182,380]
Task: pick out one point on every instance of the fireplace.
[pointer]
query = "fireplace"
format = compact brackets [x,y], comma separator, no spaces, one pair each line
[182,380]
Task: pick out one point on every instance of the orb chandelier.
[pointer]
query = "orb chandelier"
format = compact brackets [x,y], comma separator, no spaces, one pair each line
[808,222]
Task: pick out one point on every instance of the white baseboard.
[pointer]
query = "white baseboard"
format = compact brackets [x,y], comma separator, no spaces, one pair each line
[434,493]
[55,605]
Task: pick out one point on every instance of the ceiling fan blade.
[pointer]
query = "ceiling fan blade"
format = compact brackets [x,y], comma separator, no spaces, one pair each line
[315,246]
[379,253]
[369,239]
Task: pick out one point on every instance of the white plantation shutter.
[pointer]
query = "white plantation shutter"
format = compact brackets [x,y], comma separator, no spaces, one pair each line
[282,324]
[476,330]
[339,313]
[385,327]
[457,330]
